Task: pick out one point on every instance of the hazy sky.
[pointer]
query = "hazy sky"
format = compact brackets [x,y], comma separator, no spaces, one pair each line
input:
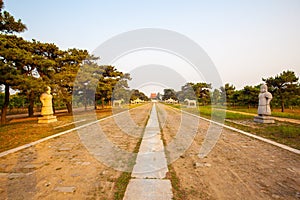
[246,40]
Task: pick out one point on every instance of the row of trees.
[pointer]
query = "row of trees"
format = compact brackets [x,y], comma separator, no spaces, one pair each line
[29,66]
[284,87]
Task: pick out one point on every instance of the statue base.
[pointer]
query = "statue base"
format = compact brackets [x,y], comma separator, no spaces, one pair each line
[47,119]
[264,119]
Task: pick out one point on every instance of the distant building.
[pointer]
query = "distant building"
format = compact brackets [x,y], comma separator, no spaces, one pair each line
[153,97]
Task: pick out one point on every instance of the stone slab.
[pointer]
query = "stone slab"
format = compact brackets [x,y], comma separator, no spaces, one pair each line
[152,144]
[148,189]
[264,119]
[66,189]
[150,165]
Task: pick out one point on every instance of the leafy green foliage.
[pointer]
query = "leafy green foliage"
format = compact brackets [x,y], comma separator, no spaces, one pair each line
[135,94]
[8,24]
[284,86]
[169,93]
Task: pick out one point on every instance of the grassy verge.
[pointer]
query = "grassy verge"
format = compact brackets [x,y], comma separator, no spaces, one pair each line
[281,132]
[289,113]
[121,185]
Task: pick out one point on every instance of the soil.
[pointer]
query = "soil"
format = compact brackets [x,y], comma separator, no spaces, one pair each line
[238,167]
[62,168]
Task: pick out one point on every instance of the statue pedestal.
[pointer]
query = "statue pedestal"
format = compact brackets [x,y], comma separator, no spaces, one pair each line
[264,119]
[47,119]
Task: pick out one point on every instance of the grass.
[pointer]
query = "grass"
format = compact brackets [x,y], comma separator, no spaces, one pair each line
[121,185]
[281,132]
[289,113]
[212,113]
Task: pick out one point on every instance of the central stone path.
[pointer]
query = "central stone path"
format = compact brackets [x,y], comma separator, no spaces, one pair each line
[148,176]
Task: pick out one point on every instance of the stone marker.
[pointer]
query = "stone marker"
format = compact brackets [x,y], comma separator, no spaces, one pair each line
[47,110]
[264,110]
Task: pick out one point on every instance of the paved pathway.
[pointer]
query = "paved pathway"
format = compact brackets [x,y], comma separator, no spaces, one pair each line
[148,176]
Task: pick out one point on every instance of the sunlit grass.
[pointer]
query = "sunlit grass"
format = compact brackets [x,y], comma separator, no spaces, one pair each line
[282,132]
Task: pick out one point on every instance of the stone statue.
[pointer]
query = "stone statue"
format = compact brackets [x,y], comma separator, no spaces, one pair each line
[47,110]
[264,110]
[264,101]
[46,99]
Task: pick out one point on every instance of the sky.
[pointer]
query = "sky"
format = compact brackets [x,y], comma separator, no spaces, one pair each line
[247,40]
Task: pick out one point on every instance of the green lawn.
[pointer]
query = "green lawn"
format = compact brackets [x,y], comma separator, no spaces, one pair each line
[289,113]
[282,132]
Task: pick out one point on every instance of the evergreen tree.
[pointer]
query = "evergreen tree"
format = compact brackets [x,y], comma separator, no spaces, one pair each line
[9,69]
[284,86]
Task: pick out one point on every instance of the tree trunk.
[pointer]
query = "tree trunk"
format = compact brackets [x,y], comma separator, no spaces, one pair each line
[102,101]
[5,105]
[53,107]
[282,106]
[69,107]
[31,104]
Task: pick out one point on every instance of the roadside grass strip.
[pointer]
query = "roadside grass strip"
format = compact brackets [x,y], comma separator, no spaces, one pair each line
[243,132]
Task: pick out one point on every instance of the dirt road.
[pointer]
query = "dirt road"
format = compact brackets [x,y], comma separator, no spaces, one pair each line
[238,167]
[62,168]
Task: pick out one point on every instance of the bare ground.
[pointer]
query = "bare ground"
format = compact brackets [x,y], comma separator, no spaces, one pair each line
[62,168]
[238,167]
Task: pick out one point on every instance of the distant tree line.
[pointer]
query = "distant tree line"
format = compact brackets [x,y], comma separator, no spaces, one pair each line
[29,66]
[285,88]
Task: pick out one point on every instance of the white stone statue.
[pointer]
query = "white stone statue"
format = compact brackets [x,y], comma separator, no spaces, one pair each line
[46,99]
[264,101]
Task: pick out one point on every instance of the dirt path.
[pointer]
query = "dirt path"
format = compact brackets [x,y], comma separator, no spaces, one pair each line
[295,121]
[62,168]
[238,167]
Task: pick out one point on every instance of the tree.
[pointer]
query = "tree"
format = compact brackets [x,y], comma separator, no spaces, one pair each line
[109,79]
[8,24]
[227,93]
[216,95]
[74,64]
[169,93]
[283,86]
[202,92]
[12,61]
[186,92]
[9,70]
[135,94]
[249,95]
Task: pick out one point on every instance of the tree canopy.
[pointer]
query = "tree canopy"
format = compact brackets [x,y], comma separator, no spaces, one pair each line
[284,86]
